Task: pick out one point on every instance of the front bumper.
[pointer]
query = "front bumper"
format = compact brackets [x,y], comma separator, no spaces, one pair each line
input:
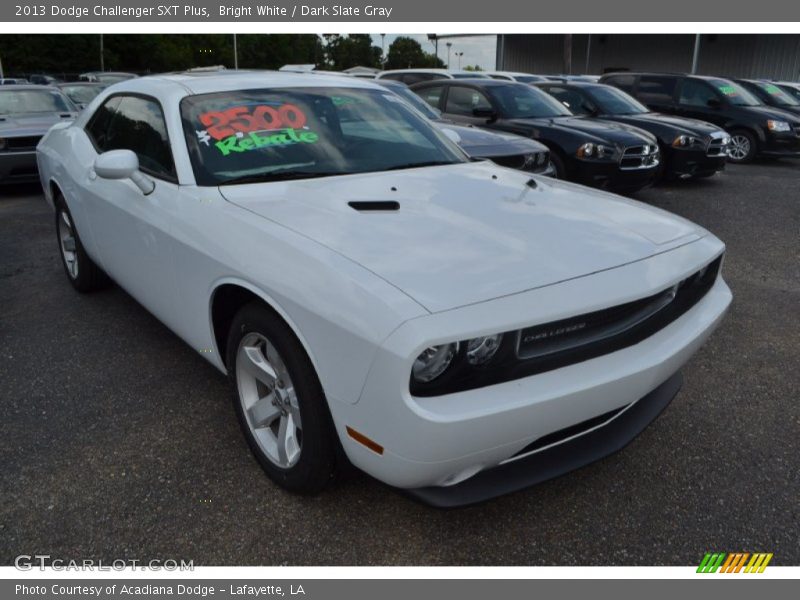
[444,440]
[781,144]
[692,163]
[609,176]
[555,460]
[18,167]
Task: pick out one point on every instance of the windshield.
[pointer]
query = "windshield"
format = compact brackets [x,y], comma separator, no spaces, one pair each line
[612,101]
[794,92]
[81,94]
[249,136]
[734,93]
[33,101]
[406,94]
[525,102]
[780,97]
[472,75]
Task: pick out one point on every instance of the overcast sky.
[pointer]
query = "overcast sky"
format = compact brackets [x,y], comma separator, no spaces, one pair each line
[478,50]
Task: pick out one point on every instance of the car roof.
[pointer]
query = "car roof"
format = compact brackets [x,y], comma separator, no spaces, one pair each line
[226,81]
[476,80]
[29,86]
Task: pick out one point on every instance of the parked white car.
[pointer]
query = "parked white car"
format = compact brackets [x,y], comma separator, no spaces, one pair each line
[454,328]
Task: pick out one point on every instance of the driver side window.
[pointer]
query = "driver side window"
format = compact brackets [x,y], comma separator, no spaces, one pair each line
[696,93]
[134,123]
[463,100]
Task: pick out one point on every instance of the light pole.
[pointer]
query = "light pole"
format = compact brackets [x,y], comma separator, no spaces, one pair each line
[449,45]
[459,55]
[102,60]
[235,53]
[383,52]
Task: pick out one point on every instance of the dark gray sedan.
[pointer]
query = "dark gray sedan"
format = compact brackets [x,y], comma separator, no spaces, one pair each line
[26,113]
[505,149]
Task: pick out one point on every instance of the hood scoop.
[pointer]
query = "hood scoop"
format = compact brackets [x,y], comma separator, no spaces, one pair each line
[374,205]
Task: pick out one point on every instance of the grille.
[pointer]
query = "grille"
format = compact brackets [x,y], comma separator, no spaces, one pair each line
[639,157]
[716,148]
[20,144]
[567,432]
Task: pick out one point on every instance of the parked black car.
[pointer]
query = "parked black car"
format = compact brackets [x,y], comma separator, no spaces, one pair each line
[771,95]
[689,148]
[756,129]
[505,149]
[584,150]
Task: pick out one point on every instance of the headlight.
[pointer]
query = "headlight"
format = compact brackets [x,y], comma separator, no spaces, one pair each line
[596,151]
[480,350]
[433,361]
[2,144]
[778,125]
[684,141]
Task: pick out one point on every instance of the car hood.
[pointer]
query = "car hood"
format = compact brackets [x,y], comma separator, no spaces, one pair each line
[31,124]
[771,112]
[595,130]
[486,144]
[681,125]
[469,232]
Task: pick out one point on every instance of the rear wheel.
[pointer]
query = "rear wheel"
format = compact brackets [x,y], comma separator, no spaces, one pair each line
[279,401]
[82,272]
[743,147]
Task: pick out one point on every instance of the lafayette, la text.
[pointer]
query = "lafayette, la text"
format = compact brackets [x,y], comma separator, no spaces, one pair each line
[304,10]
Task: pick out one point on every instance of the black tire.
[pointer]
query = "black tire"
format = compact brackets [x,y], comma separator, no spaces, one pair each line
[559,165]
[752,143]
[84,275]
[317,464]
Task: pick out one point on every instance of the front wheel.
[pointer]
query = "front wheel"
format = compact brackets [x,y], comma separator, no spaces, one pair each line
[743,147]
[82,272]
[279,401]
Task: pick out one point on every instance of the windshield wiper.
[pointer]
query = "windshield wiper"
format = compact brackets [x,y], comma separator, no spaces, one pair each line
[430,163]
[280,176]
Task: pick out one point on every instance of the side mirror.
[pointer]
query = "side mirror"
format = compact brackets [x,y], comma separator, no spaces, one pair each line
[452,135]
[123,164]
[484,113]
[714,103]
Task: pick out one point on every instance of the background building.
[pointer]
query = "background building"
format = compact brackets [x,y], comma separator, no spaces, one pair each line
[773,56]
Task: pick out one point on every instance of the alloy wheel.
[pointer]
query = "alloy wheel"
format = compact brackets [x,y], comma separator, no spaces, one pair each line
[739,148]
[66,236]
[269,400]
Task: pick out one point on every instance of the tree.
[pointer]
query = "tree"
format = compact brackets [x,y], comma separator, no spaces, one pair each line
[406,53]
[473,68]
[345,51]
[66,55]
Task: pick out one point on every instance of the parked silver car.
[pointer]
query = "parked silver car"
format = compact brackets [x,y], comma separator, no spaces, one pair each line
[27,112]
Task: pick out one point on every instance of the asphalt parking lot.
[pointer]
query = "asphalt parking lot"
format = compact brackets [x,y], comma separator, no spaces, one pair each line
[119,441]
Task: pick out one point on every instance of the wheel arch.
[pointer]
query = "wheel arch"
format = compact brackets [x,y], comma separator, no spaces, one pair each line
[749,128]
[227,297]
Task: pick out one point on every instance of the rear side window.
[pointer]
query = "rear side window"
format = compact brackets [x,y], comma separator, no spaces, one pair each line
[432,95]
[623,82]
[463,100]
[656,89]
[696,93]
[137,124]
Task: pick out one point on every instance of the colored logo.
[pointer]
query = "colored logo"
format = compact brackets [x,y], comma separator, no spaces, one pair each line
[735,562]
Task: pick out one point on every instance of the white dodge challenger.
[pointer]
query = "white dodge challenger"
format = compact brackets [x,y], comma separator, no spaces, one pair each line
[453,328]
